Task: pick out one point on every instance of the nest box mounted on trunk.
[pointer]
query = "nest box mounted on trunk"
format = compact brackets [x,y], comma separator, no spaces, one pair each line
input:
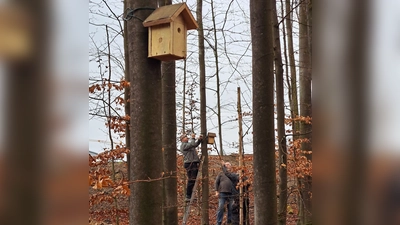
[168,26]
[211,137]
[16,34]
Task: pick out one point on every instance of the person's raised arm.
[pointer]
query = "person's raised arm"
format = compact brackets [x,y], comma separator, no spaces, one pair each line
[192,143]
[232,176]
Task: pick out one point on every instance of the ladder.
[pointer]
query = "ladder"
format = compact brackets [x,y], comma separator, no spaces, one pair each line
[187,205]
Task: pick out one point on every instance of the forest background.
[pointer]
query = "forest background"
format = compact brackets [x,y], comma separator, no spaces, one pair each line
[63,103]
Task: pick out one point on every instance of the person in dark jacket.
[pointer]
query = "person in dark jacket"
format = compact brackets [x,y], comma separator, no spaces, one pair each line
[236,205]
[225,186]
[191,161]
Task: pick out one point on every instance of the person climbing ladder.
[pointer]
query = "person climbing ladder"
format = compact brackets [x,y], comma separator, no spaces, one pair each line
[191,160]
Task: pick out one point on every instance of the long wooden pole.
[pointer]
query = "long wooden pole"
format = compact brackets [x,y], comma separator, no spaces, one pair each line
[203,116]
[240,156]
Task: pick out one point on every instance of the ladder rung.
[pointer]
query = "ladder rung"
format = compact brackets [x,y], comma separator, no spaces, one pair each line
[187,208]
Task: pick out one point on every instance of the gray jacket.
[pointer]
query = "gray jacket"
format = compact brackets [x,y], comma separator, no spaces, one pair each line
[188,150]
[226,181]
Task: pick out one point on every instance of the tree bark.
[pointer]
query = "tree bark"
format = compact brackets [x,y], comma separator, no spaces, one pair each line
[282,163]
[265,205]
[169,143]
[127,97]
[170,197]
[305,106]
[356,77]
[203,118]
[145,204]
[127,93]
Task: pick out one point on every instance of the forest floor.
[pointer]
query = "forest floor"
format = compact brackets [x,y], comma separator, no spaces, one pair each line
[107,207]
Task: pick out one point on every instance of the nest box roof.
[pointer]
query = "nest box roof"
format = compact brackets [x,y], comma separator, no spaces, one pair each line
[168,14]
[211,134]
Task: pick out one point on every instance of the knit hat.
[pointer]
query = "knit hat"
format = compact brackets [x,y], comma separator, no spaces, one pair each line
[182,136]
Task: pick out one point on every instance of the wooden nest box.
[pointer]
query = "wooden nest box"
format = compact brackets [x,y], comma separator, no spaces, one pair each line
[16,34]
[210,139]
[168,26]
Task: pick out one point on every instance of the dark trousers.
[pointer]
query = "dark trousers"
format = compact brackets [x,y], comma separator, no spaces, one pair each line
[192,169]
[236,208]
[222,199]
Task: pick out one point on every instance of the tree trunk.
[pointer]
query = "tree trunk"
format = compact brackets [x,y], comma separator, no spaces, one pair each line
[127,93]
[145,205]
[282,163]
[22,159]
[356,77]
[184,111]
[294,104]
[305,106]
[169,143]
[25,106]
[240,116]
[184,98]
[292,82]
[203,118]
[309,18]
[265,205]
[170,196]
[285,53]
[107,110]
[127,97]
[215,50]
